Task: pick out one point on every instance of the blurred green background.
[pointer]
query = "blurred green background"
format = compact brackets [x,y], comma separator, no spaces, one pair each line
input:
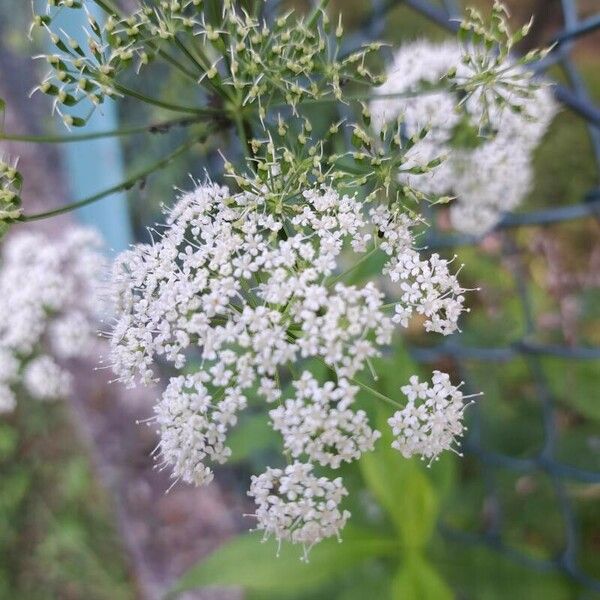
[57,534]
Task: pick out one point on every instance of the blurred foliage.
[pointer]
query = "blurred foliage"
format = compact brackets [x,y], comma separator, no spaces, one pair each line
[57,534]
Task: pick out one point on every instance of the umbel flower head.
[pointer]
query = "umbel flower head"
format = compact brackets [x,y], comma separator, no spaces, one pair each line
[49,307]
[295,505]
[285,62]
[319,422]
[239,296]
[431,422]
[489,171]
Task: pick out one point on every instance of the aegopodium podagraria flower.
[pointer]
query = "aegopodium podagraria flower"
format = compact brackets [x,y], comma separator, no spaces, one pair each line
[194,426]
[319,422]
[295,505]
[432,420]
[49,306]
[249,294]
[488,174]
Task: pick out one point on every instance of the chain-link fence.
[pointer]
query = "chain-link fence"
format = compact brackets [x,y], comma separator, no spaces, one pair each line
[574,96]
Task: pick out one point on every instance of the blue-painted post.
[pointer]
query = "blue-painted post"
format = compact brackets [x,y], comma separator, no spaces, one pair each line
[97,164]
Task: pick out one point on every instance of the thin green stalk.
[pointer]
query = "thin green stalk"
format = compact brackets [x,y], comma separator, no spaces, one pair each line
[208,112]
[357,264]
[370,96]
[111,10]
[375,393]
[315,15]
[173,61]
[124,185]
[367,388]
[202,68]
[107,7]
[241,129]
[159,127]
[193,59]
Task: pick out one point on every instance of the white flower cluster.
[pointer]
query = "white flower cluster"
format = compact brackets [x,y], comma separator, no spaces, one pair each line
[320,423]
[194,426]
[49,305]
[295,505]
[247,292]
[428,287]
[488,175]
[432,420]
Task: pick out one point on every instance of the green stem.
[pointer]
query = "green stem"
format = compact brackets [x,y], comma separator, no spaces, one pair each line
[241,129]
[315,15]
[111,10]
[375,393]
[159,127]
[355,266]
[107,7]
[202,68]
[370,96]
[124,185]
[208,112]
[168,58]
[367,388]
[194,60]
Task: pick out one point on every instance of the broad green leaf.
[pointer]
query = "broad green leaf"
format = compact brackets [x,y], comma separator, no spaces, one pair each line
[372,579]
[406,494]
[395,371]
[9,440]
[418,580]
[248,563]
[442,474]
[400,485]
[402,489]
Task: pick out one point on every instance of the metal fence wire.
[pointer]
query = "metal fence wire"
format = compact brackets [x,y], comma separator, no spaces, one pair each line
[573,95]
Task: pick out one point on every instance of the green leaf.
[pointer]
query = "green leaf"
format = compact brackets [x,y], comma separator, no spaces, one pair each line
[400,485]
[404,491]
[442,475]
[418,580]
[247,563]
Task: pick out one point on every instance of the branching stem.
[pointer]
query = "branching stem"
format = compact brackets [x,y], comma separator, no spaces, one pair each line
[124,185]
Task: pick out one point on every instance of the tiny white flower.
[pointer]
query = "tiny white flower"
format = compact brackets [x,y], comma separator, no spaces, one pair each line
[293,504]
[432,420]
